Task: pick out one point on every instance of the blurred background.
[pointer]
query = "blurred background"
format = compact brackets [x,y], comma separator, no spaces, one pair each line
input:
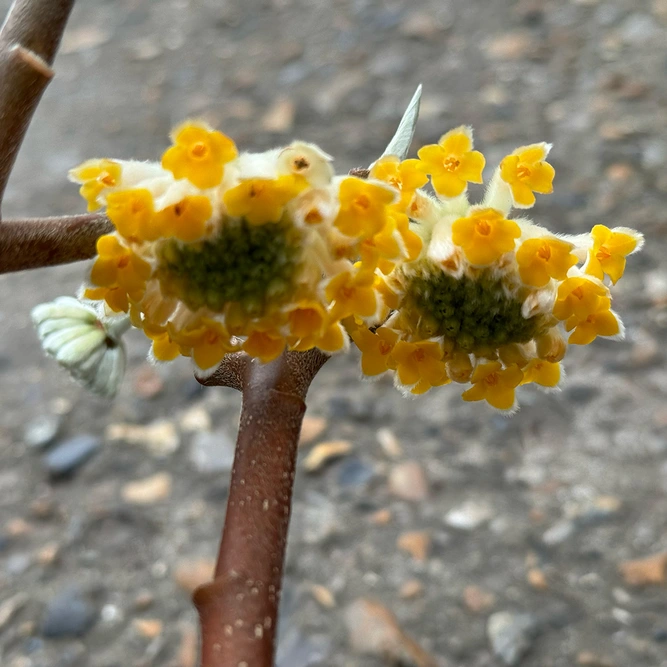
[538,540]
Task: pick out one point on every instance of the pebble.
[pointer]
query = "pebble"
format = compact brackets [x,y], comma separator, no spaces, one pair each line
[189,647]
[510,46]
[389,443]
[511,635]
[468,516]
[212,452]
[427,24]
[373,630]
[147,382]
[48,554]
[354,472]
[296,649]
[311,429]
[69,614]
[412,588]
[10,606]
[324,452]
[148,627]
[143,600]
[408,481]
[195,419]
[650,570]
[148,490]
[280,116]
[381,517]
[160,437]
[190,574]
[323,596]
[590,659]
[537,579]
[559,532]
[478,600]
[42,430]
[320,518]
[70,454]
[415,542]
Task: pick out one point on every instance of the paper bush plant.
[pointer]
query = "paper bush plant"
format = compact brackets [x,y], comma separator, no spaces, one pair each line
[259,267]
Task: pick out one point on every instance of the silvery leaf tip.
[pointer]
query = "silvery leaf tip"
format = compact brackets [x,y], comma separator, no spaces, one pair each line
[402,139]
[87,345]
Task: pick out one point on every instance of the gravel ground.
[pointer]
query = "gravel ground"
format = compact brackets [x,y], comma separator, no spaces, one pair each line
[486,540]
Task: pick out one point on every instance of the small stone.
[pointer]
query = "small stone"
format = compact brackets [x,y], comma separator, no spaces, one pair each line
[18,563]
[160,437]
[320,518]
[69,614]
[511,635]
[590,659]
[478,600]
[48,553]
[650,570]
[195,420]
[427,24]
[324,452]
[537,579]
[148,490]
[412,588]
[323,596]
[510,46]
[43,508]
[311,428]
[408,481]
[373,630]
[469,516]
[389,443]
[416,542]
[381,517]
[84,38]
[354,473]
[10,606]
[559,532]
[212,452]
[17,527]
[296,649]
[148,627]
[280,116]
[143,600]
[70,454]
[41,430]
[147,382]
[191,574]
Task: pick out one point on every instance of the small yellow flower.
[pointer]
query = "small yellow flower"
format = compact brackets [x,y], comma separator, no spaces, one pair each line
[406,176]
[199,154]
[452,163]
[578,297]
[132,213]
[420,365]
[208,342]
[186,220]
[375,349]
[600,323]
[551,345]
[164,348]
[264,345]
[352,293]
[363,207]
[261,200]
[117,268]
[485,236]
[526,171]
[609,250]
[544,373]
[309,327]
[494,384]
[95,176]
[544,258]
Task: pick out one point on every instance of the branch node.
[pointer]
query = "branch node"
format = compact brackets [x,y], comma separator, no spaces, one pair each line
[33,60]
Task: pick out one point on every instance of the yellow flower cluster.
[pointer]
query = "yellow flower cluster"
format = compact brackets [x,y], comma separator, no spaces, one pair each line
[215,251]
[491,302]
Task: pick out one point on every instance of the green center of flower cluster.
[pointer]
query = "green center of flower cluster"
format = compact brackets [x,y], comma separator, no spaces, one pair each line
[473,313]
[248,264]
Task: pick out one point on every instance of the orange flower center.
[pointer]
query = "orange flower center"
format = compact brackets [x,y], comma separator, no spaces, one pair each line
[384,347]
[199,150]
[347,292]
[136,206]
[313,217]
[179,209]
[107,179]
[362,201]
[419,355]
[491,379]
[578,292]
[603,253]
[544,252]
[256,190]
[483,227]
[123,261]
[523,172]
[211,337]
[301,163]
[451,163]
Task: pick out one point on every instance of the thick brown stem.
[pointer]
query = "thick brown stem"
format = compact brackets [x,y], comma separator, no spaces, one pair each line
[239,608]
[31,244]
[28,43]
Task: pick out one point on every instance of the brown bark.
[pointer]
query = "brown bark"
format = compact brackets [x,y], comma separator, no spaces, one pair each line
[239,608]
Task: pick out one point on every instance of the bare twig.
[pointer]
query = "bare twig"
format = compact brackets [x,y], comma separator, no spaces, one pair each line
[30,244]
[239,608]
[29,40]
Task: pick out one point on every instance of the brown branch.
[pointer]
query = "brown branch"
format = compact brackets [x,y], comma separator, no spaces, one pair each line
[29,40]
[239,608]
[31,244]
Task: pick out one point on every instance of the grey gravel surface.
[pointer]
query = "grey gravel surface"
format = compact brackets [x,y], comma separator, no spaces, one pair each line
[528,517]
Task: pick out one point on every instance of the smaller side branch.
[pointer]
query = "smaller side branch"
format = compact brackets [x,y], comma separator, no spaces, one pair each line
[34,243]
[29,40]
